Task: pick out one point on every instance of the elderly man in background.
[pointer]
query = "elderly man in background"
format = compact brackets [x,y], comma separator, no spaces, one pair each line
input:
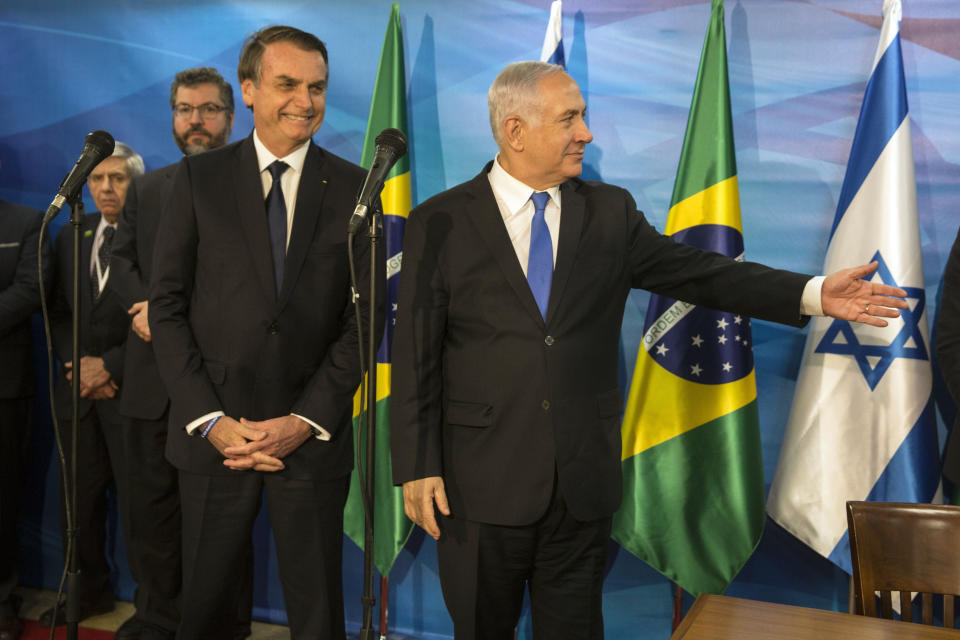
[103,332]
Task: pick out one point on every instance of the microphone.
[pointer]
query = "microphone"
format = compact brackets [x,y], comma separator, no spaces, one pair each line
[391,145]
[98,146]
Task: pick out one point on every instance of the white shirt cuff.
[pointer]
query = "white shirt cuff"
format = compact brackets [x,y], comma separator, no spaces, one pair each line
[319,432]
[202,420]
[810,301]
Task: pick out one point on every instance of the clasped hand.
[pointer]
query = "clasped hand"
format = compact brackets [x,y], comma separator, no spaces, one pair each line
[95,381]
[258,446]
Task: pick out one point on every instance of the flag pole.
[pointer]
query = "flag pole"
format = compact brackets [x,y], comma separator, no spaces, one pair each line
[677,606]
[384,604]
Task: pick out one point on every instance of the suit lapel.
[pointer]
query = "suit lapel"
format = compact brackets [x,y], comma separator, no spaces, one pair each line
[489,223]
[572,211]
[253,214]
[309,198]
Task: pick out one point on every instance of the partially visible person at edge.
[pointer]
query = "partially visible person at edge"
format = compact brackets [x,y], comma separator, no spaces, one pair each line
[19,298]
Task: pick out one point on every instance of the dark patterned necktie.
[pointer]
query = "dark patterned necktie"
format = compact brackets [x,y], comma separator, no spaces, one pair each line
[103,257]
[540,262]
[277,221]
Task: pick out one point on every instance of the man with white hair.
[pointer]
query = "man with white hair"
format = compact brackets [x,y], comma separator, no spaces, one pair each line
[103,333]
[506,404]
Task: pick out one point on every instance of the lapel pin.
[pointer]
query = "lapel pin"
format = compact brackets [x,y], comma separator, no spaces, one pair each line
[88,233]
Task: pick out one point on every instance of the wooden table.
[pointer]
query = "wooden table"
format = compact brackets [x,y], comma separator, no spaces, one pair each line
[723,618]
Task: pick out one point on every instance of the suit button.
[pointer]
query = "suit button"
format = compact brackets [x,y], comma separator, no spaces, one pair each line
[273,329]
[545,404]
[548,341]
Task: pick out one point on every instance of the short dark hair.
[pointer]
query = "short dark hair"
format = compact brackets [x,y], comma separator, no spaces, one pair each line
[250,67]
[202,75]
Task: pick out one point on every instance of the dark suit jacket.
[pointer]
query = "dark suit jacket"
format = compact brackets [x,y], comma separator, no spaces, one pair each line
[224,339]
[948,352]
[499,402]
[19,295]
[103,322]
[143,396]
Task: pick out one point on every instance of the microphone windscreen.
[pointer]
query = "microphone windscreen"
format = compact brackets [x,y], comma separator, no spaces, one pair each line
[102,141]
[394,139]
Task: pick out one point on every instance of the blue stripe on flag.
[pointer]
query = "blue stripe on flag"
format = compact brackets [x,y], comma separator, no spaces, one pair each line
[393,228]
[884,108]
[913,475]
[557,56]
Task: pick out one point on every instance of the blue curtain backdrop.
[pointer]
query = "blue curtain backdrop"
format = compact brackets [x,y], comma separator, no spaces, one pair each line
[797,72]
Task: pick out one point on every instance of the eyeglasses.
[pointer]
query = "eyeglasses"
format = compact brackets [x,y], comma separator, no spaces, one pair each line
[208,111]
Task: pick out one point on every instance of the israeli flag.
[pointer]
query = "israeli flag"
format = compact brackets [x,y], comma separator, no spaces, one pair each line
[552,50]
[862,425]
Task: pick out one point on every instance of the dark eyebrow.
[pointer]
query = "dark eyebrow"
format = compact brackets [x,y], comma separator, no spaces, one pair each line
[283,78]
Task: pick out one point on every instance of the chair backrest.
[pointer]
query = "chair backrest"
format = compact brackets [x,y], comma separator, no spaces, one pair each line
[906,548]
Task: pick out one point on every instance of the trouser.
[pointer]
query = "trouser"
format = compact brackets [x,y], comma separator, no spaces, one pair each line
[100,462]
[307,521]
[485,568]
[16,418]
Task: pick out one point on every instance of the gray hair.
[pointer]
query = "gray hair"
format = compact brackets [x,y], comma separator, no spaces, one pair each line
[134,162]
[515,92]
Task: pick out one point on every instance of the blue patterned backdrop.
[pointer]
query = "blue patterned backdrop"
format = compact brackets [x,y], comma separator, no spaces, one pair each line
[797,69]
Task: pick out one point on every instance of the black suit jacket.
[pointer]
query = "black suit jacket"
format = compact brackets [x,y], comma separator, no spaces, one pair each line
[103,322]
[19,295]
[225,339]
[499,402]
[948,352]
[143,396]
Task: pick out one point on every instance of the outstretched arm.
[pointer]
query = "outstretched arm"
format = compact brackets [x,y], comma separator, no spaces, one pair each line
[847,296]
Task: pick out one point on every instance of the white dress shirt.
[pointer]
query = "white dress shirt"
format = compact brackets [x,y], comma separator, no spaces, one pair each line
[97,272]
[517,209]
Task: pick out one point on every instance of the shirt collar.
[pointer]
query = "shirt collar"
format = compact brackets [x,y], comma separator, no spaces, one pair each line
[512,192]
[294,159]
[103,225]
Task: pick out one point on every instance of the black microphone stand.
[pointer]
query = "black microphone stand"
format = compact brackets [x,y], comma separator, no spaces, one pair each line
[367,598]
[73,562]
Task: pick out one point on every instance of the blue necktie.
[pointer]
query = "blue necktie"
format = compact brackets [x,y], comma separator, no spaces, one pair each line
[540,263]
[277,221]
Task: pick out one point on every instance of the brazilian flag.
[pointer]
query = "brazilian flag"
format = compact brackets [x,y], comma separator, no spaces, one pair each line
[388,109]
[693,505]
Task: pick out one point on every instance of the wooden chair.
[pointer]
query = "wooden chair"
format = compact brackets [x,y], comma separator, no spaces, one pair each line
[906,548]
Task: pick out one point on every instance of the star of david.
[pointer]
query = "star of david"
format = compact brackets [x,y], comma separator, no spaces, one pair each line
[885,355]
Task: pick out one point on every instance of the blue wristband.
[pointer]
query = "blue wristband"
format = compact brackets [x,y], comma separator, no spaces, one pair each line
[206,429]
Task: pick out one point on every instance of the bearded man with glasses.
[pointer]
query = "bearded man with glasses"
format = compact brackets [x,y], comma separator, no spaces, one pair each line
[201,102]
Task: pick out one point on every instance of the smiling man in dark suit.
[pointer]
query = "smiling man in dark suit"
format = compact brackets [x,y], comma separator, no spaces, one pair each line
[505,405]
[201,102]
[103,333]
[253,329]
